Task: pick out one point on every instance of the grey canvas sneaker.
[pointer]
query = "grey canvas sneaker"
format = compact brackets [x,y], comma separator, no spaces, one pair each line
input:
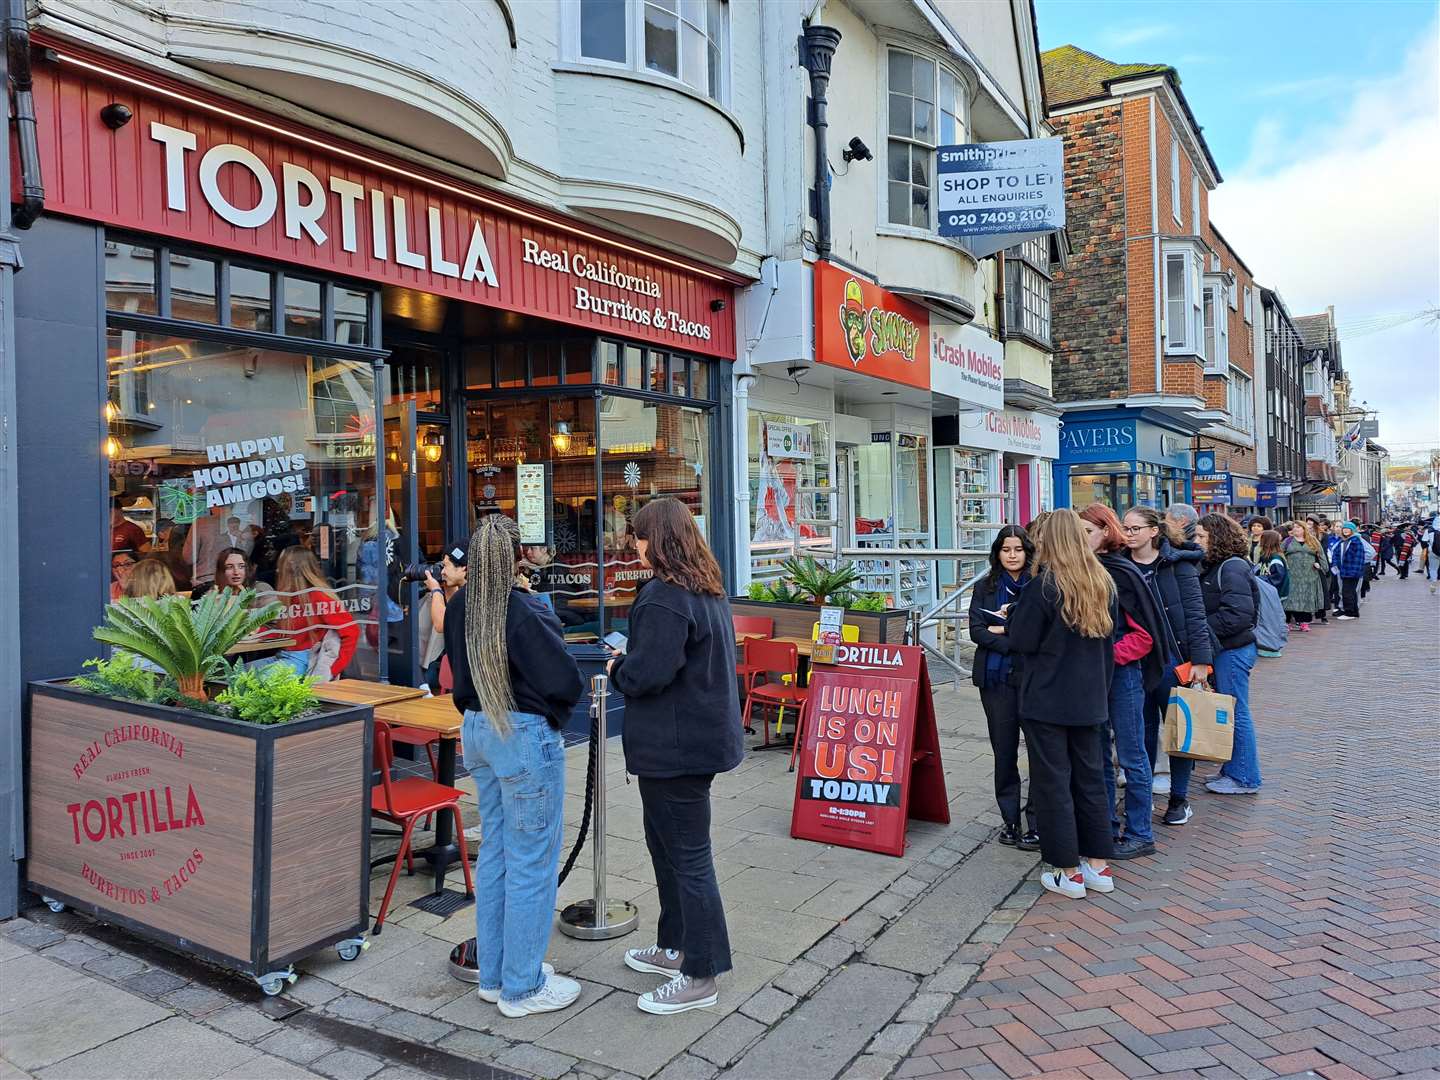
[654,960]
[680,994]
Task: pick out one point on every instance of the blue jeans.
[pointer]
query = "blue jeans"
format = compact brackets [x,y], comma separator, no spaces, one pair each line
[299,659]
[1180,767]
[520,787]
[1232,676]
[1127,721]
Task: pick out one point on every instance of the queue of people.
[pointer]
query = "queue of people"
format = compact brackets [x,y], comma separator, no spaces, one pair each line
[1083,625]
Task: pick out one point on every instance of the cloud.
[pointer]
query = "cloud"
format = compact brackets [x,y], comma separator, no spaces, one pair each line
[1129,37]
[1342,210]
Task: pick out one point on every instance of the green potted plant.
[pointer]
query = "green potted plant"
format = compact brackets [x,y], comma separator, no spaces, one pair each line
[229,821]
[819,580]
[791,601]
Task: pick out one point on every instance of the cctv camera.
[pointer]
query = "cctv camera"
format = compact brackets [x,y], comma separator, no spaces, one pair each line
[857,151]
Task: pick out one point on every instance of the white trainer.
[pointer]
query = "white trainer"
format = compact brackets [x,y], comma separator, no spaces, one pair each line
[493,996]
[557,993]
[1056,881]
[1096,881]
[1160,785]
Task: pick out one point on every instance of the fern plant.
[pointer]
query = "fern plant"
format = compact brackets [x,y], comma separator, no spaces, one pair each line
[122,677]
[187,641]
[270,695]
[819,580]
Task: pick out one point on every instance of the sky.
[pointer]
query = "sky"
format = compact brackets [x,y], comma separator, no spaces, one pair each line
[1324,118]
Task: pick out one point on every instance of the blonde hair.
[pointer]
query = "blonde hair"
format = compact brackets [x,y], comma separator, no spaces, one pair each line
[1311,541]
[490,572]
[1086,589]
[298,571]
[152,578]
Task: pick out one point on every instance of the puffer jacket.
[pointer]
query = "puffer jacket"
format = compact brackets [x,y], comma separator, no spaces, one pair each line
[1177,579]
[1231,610]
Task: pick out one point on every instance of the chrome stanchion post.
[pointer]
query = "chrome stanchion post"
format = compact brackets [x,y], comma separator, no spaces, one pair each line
[599,918]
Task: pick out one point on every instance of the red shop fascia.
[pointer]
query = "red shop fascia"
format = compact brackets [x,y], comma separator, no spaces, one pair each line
[200,169]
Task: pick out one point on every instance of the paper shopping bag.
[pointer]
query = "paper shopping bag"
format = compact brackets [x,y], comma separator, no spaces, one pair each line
[1199,724]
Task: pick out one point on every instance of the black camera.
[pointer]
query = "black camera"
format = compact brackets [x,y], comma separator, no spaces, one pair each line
[416,572]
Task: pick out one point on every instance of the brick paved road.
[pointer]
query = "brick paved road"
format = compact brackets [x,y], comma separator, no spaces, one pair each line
[1294,932]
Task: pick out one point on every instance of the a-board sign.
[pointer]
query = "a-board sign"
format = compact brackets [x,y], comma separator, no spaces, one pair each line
[869,755]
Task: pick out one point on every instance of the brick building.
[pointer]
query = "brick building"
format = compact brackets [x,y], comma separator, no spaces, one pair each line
[1322,369]
[1154,315]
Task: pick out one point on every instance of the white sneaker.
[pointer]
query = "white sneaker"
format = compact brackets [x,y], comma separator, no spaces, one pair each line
[1160,785]
[475,833]
[1100,881]
[1056,881]
[1344,618]
[680,994]
[493,996]
[557,993]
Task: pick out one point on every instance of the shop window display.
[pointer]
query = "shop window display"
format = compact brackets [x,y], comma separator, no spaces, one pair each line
[789,459]
[233,446]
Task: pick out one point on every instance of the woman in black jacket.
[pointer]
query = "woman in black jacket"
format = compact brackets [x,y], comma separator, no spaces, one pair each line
[1063,626]
[999,682]
[1229,589]
[682,726]
[1171,566]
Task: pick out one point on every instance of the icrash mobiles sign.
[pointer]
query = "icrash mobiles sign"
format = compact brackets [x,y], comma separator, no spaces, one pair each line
[869,757]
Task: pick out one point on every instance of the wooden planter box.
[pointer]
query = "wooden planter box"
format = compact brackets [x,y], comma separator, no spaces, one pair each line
[798,620]
[246,845]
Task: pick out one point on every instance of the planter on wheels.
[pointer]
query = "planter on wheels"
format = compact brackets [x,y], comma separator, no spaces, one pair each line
[247,845]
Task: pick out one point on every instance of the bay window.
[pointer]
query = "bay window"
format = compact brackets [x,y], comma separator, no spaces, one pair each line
[684,40]
[1216,344]
[1184,327]
[1027,290]
[1241,400]
[924,109]
[1175,179]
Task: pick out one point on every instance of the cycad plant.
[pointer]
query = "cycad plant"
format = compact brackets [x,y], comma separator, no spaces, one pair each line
[818,579]
[186,641]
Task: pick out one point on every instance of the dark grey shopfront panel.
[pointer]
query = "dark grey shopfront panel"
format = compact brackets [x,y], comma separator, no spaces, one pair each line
[59,346]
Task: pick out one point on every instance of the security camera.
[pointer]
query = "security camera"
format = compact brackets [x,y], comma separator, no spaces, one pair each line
[115,115]
[795,371]
[857,151]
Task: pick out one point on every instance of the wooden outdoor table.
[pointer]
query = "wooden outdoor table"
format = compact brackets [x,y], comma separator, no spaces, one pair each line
[803,646]
[258,646]
[437,714]
[364,692]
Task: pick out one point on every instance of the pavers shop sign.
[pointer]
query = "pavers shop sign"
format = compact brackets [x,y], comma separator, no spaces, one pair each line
[208,172]
[1000,194]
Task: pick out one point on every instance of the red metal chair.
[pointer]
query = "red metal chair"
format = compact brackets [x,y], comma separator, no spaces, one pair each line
[782,659]
[403,803]
[750,627]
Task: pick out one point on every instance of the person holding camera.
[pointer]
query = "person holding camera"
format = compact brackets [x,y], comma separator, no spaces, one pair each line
[431,610]
[682,726]
[515,684]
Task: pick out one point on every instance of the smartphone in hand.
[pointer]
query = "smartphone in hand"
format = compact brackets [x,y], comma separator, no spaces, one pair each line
[617,641]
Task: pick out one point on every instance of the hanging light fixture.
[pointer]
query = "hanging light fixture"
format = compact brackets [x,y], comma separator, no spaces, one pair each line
[112,447]
[434,446]
[112,411]
[561,439]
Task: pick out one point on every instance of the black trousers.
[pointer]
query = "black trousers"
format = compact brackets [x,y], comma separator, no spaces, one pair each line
[1332,592]
[1348,604]
[1067,782]
[1002,716]
[677,832]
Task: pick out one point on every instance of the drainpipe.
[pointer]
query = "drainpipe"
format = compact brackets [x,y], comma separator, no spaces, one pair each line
[17,45]
[817,49]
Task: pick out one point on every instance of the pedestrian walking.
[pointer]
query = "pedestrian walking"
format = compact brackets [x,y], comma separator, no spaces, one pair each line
[1230,608]
[1350,563]
[682,727]
[515,683]
[1171,564]
[1306,599]
[1403,540]
[995,674]
[1144,647]
[1063,626]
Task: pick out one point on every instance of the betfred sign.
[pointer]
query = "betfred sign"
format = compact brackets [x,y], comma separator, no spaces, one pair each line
[212,173]
[869,757]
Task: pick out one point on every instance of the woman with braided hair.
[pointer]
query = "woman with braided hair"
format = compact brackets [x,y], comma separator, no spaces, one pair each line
[515,683]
